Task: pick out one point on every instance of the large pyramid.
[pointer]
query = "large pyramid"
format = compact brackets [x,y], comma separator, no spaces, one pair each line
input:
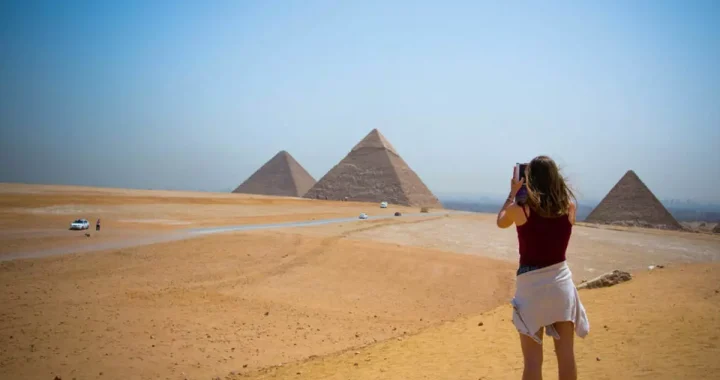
[282,176]
[374,172]
[630,202]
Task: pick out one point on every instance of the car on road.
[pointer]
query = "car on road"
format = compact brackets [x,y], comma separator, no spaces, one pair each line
[383,205]
[397,213]
[80,224]
[363,216]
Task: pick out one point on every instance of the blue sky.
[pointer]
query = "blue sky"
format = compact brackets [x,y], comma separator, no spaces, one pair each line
[198,95]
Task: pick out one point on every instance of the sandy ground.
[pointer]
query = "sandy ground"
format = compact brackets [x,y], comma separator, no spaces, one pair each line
[699,226]
[663,324]
[197,308]
[592,250]
[320,299]
[36,218]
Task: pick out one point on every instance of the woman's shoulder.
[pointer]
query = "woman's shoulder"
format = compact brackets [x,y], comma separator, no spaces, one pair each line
[520,213]
[514,209]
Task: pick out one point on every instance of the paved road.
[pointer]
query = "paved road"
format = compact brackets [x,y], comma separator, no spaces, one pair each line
[306,223]
[195,232]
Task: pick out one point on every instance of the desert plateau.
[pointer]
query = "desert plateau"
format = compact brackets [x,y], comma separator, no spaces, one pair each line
[173,287]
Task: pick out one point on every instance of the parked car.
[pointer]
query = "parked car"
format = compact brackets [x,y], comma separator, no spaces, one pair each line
[363,216]
[397,213]
[383,204]
[80,224]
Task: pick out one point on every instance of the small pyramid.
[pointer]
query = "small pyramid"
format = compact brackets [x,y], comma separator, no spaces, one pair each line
[281,176]
[631,202]
[373,171]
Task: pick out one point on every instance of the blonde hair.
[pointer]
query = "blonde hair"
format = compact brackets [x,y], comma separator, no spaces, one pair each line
[548,193]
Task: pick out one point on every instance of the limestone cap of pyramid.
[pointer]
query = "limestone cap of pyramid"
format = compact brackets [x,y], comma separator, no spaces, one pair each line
[375,139]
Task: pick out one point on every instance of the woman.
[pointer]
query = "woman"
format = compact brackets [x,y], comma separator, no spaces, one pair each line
[546,297]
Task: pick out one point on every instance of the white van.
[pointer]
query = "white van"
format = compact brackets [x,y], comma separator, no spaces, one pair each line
[383,205]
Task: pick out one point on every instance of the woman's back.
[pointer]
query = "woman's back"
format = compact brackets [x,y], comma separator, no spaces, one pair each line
[545,297]
[543,241]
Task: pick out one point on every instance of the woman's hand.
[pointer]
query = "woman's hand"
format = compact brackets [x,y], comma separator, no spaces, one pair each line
[507,215]
[515,186]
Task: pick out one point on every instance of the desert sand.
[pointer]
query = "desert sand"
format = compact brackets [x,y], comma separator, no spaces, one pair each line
[664,324]
[401,297]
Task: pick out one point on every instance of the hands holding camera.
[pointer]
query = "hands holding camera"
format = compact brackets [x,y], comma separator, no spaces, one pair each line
[515,186]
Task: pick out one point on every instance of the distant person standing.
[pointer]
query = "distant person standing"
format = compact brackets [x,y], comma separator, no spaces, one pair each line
[545,295]
[97,225]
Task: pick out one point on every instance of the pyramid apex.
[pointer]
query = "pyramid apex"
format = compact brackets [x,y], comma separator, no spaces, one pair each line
[374,139]
[630,175]
[282,155]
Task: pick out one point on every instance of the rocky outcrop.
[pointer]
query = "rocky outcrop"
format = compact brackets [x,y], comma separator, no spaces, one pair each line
[608,279]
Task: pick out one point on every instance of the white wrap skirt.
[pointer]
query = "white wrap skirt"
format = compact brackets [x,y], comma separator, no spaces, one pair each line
[545,296]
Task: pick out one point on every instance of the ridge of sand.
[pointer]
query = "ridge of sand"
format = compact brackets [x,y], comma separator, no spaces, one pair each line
[664,324]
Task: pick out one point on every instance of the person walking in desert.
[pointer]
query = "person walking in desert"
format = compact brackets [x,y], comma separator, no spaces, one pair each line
[545,296]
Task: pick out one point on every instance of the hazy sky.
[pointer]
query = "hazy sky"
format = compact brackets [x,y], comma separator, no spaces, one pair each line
[198,95]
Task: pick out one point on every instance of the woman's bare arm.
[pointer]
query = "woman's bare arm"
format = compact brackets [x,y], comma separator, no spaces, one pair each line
[508,216]
[509,212]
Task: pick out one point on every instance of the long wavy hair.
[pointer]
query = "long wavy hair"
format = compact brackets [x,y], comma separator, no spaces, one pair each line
[548,193]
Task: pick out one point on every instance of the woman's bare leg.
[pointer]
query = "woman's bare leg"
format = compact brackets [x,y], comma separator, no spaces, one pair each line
[532,356]
[565,350]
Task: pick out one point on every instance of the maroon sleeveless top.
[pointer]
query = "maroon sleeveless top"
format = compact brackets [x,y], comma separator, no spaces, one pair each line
[543,241]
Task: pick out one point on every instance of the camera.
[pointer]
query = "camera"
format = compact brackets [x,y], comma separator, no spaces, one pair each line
[519,174]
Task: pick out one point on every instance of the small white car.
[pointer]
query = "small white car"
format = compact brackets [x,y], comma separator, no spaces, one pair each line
[80,224]
[383,205]
[363,216]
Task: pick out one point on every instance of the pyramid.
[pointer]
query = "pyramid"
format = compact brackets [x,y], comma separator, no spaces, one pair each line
[716,230]
[281,176]
[373,171]
[630,202]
